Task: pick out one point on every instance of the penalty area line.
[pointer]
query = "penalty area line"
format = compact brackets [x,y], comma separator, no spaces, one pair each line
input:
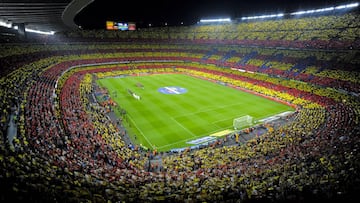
[140,131]
[187,130]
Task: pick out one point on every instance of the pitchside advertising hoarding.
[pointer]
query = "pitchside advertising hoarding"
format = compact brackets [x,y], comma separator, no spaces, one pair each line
[113,25]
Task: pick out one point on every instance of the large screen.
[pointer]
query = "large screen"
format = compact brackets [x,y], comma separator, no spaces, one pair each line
[132,26]
[112,25]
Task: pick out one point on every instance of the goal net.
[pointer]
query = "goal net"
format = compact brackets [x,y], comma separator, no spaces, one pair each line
[241,122]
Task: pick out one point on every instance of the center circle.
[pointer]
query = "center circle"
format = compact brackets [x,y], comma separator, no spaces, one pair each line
[172,90]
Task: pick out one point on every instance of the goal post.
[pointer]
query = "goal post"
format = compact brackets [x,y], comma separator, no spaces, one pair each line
[243,121]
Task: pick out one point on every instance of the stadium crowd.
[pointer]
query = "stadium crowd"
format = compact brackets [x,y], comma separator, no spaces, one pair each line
[67,149]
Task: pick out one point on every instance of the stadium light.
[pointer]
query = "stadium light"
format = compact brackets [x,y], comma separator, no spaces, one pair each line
[40,32]
[215,20]
[352,5]
[5,24]
[263,16]
[8,25]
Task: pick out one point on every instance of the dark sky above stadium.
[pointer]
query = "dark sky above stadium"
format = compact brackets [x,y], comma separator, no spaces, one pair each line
[159,12]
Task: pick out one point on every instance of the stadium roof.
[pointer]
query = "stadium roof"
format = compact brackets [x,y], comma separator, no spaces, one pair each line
[61,15]
[189,12]
[42,15]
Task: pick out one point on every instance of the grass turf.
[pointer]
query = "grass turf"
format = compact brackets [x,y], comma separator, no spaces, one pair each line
[168,121]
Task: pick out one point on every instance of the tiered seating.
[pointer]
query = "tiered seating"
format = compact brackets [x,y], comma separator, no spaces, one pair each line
[68,150]
[325,32]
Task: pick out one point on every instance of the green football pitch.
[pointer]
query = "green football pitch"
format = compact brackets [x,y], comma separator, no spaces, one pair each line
[175,109]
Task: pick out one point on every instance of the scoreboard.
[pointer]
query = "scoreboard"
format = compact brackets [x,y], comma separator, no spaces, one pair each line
[112,25]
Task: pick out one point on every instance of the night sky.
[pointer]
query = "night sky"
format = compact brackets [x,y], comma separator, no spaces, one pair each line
[159,12]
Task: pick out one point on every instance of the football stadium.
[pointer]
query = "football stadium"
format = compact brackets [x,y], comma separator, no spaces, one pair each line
[262,108]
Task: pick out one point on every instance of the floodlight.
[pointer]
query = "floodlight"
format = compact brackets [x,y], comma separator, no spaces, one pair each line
[215,20]
[263,16]
[353,5]
[5,24]
[40,32]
